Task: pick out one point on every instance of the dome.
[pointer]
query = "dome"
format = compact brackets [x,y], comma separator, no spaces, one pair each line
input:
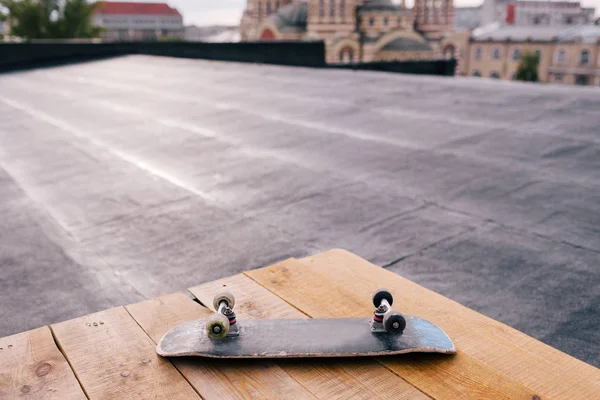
[406,44]
[291,18]
[379,5]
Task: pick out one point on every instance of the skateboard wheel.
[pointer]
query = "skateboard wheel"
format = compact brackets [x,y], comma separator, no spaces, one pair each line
[380,295]
[217,326]
[224,296]
[394,322]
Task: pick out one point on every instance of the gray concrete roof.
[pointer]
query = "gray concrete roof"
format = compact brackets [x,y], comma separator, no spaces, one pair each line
[585,33]
[139,176]
[498,32]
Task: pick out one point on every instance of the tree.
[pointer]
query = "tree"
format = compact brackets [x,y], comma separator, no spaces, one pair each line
[51,19]
[528,67]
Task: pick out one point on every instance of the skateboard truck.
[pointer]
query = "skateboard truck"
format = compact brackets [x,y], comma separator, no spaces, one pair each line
[385,320]
[223,323]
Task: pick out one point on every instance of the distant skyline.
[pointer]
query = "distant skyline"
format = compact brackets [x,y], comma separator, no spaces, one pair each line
[229,12]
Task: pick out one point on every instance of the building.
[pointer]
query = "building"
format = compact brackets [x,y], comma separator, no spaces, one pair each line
[567,56]
[467,18]
[354,30]
[138,21]
[214,34]
[522,13]
[532,13]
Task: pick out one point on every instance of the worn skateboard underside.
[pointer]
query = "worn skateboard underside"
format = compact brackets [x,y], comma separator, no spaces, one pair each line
[289,338]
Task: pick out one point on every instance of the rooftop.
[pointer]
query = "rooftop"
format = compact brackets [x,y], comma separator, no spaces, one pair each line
[379,5]
[132,177]
[131,8]
[498,32]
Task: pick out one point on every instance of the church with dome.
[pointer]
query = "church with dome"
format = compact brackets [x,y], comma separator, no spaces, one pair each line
[355,30]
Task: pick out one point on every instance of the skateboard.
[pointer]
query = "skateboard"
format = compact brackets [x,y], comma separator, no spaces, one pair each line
[387,332]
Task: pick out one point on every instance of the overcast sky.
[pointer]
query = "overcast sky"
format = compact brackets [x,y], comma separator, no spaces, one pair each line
[228,12]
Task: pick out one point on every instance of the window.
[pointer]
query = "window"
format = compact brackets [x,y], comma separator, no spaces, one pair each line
[343,9]
[476,73]
[268,7]
[561,56]
[371,21]
[259,10]
[449,52]
[581,80]
[495,75]
[346,55]
[569,20]
[584,57]
[516,54]
[478,52]
[331,8]
[558,78]
[399,20]
[496,53]
[321,8]
[538,54]
[385,21]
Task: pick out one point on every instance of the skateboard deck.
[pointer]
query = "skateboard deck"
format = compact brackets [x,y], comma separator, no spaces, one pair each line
[292,338]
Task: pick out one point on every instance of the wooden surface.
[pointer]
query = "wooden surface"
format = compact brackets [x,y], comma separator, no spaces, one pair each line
[32,367]
[111,354]
[113,358]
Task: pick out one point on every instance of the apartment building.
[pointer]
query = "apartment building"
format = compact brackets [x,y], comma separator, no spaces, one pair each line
[129,21]
[567,56]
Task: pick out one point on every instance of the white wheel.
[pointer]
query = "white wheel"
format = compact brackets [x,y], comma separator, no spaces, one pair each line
[224,296]
[394,322]
[217,326]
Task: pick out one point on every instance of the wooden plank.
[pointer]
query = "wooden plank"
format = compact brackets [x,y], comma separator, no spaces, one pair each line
[32,367]
[114,359]
[491,355]
[214,379]
[361,378]
[335,295]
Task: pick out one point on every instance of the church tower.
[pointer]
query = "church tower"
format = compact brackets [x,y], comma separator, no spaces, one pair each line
[434,18]
[259,9]
[328,19]
[255,12]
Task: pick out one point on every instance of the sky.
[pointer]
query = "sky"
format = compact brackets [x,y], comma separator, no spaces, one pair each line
[229,12]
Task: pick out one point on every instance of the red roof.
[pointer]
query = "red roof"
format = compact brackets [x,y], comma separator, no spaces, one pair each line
[110,7]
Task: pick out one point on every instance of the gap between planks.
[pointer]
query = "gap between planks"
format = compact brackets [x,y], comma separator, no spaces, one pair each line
[62,351]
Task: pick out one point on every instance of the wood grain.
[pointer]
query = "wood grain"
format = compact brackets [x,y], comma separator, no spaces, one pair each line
[215,379]
[113,358]
[550,373]
[325,379]
[340,284]
[32,367]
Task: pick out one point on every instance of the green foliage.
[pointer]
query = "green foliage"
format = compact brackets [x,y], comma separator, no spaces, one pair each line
[528,67]
[51,19]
